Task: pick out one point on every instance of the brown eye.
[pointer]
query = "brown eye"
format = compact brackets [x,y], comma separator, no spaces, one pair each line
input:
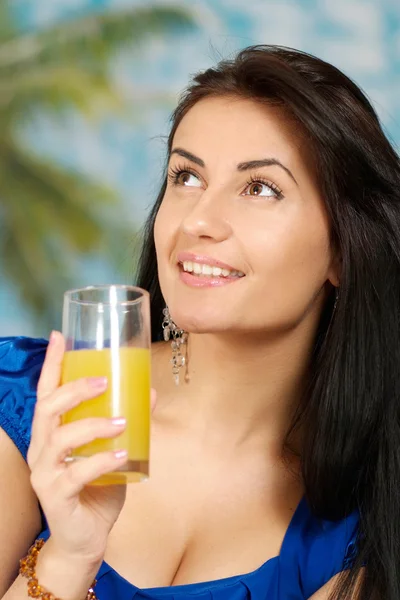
[183,178]
[255,189]
[263,189]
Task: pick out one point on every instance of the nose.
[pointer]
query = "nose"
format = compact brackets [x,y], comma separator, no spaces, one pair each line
[208,218]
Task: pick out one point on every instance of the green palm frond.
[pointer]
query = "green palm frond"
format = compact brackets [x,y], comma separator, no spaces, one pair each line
[68,65]
[56,89]
[60,200]
[50,219]
[6,23]
[60,89]
[91,41]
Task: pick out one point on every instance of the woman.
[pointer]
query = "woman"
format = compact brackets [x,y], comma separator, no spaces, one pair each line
[275,461]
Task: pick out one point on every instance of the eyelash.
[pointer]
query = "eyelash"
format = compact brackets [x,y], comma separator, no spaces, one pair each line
[175,172]
[260,179]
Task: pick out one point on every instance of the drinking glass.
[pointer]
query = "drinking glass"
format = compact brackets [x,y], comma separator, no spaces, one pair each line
[107,333]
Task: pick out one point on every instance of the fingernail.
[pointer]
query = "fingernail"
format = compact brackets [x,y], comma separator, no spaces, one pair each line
[118,421]
[52,338]
[97,383]
[120,454]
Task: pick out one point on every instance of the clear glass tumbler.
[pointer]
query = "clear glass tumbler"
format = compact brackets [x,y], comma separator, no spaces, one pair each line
[107,333]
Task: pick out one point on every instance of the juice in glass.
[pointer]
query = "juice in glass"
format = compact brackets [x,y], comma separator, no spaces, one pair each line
[128,395]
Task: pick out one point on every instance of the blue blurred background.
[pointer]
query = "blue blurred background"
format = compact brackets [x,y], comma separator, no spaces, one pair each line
[86,90]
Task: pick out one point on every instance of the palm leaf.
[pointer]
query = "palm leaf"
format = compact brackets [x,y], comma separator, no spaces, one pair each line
[50,220]
[91,41]
[6,23]
[67,65]
[56,89]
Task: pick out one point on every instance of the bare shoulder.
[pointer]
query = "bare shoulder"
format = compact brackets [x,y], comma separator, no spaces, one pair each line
[19,511]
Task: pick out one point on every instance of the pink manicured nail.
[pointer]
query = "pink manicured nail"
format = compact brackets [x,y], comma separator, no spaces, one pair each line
[52,338]
[120,454]
[98,383]
[118,421]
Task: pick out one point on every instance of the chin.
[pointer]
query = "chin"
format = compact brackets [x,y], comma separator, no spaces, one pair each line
[201,321]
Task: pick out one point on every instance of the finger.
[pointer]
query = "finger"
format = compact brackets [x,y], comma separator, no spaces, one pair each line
[48,410]
[51,371]
[48,382]
[50,464]
[69,396]
[74,435]
[80,473]
[153,399]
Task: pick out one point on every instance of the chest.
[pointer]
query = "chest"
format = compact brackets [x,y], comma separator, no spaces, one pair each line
[201,516]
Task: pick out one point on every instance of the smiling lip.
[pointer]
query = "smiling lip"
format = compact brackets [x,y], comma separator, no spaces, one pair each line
[203,260]
[202,282]
[208,281]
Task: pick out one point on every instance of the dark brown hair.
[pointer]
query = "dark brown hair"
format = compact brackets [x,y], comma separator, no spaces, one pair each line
[351,411]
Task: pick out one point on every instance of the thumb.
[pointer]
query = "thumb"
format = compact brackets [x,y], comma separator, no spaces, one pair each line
[153,399]
[51,372]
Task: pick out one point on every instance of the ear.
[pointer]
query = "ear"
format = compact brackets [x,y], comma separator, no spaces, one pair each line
[335,270]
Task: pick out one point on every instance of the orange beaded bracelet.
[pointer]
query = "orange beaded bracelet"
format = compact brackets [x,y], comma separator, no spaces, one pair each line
[27,569]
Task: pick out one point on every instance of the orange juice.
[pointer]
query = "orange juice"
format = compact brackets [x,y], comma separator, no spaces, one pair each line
[128,395]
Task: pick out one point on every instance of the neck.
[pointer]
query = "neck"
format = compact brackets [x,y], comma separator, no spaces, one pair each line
[245,387]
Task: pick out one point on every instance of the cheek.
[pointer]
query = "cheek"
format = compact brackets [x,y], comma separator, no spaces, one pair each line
[292,258]
[168,225]
[164,228]
[166,232]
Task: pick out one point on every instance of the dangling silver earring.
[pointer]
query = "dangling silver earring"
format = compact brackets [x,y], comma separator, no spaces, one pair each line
[179,340]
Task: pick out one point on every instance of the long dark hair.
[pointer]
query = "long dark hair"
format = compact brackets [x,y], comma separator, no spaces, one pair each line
[350,414]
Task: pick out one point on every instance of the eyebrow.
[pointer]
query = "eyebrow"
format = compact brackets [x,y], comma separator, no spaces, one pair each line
[243,166]
[265,162]
[189,156]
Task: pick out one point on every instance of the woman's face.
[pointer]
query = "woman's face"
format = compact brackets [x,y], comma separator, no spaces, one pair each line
[240,197]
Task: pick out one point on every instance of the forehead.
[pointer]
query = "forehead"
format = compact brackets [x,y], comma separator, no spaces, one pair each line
[233,129]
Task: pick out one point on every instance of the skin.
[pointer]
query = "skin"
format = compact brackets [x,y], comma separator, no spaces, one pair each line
[222,493]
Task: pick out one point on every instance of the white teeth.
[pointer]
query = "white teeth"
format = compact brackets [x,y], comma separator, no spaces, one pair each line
[200,269]
[206,269]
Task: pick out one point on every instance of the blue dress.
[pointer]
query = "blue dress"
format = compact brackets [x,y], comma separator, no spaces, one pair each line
[313,550]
